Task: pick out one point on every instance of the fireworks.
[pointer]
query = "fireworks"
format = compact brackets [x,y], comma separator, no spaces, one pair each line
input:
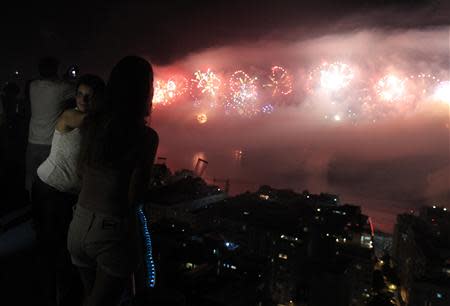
[280,81]
[442,92]
[338,90]
[267,109]
[177,86]
[335,76]
[421,85]
[237,155]
[243,93]
[390,88]
[166,92]
[160,96]
[202,118]
[205,83]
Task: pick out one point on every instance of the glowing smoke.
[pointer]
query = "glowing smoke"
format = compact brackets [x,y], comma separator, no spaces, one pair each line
[342,137]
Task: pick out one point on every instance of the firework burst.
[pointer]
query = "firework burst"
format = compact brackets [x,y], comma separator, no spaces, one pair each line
[280,81]
[390,88]
[207,83]
[442,92]
[177,86]
[202,118]
[160,95]
[421,86]
[243,94]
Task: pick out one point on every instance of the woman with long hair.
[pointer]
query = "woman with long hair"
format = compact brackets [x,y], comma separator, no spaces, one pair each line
[117,153]
[55,192]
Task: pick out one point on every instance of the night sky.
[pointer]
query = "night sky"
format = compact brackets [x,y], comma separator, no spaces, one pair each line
[388,166]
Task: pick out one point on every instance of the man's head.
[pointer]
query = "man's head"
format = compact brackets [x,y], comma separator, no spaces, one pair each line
[48,67]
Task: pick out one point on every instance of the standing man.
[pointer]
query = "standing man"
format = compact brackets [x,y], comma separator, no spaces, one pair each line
[48,97]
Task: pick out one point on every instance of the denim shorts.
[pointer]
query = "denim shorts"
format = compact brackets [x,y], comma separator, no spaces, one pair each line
[97,240]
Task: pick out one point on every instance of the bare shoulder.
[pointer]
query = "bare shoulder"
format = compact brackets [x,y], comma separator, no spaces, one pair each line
[72,113]
[70,119]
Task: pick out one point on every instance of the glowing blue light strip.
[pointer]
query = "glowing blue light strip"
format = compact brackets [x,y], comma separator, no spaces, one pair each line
[150,264]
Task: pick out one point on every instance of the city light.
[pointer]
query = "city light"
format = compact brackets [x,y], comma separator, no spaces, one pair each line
[231,246]
[282,256]
[392,287]
[264,196]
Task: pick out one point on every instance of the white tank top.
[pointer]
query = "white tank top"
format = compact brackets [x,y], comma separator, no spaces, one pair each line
[59,169]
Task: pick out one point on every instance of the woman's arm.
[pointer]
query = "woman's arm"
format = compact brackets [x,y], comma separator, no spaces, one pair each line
[141,174]
[70,120]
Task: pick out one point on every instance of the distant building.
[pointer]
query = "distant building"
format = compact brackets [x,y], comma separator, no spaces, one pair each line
[160,175]
[180,195]
[273,246]
[382,243]
[421,250]
[307,243]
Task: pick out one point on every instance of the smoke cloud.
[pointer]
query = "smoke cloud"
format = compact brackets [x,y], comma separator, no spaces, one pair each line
[390,165]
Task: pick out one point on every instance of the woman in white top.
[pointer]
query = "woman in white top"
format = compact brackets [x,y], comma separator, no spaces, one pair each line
[56,191]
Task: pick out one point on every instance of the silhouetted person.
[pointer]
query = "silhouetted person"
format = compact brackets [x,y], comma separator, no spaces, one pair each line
[13,145]
[13,113]
[117,153]
[55,192]
[11,103]
[3,127]
[48,98]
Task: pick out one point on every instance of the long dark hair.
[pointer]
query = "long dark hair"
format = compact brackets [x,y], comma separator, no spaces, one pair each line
[98,88]
[116,129]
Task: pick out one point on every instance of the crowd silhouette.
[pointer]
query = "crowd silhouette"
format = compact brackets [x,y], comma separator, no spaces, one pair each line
[79,152]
